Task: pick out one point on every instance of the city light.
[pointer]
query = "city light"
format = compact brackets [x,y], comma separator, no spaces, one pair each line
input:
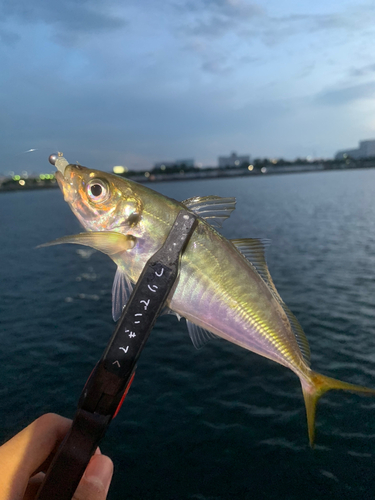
[147,174]
[250,167]
[119,169]
[46,176]
[22,182]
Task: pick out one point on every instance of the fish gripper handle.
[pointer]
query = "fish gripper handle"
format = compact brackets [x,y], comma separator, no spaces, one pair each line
[110,380]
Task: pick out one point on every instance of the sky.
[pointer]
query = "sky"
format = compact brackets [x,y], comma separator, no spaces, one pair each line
[140,81]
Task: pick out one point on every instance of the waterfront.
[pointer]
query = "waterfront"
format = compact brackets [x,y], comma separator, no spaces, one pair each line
[219,423]
[46,181]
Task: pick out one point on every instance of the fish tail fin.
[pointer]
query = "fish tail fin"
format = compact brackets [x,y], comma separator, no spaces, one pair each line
[315,387]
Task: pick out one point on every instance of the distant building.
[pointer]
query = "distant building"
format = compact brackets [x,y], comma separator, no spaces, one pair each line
[233,160]
[366,149]
[178,163]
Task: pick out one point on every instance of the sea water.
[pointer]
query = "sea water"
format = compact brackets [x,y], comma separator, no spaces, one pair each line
[221,422]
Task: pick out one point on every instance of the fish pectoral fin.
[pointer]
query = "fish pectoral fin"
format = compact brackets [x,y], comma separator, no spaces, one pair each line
[108,242]
[199,336]
[121,290]
[214,209]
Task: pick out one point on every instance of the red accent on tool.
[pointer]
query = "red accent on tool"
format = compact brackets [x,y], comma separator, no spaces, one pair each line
[124,395]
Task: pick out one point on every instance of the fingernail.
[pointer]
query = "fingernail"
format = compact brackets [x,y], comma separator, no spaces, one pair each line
[100,469]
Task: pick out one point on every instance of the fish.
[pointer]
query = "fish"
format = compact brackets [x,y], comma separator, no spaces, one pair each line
[224,288]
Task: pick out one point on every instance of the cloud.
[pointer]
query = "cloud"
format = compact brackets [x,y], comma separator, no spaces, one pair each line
[219,19]
[339,96]
[8,37]
[228,29]
[72,19]
[215,18]
[176,78]
[362,71]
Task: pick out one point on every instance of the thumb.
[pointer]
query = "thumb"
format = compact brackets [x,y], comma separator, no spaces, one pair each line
[95,482]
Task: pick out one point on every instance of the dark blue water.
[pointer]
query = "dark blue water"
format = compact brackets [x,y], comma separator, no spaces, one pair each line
[220,423]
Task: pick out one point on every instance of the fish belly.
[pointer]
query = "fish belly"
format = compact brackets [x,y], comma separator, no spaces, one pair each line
[220,291]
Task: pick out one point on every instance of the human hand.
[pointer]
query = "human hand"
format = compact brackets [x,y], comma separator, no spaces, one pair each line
[25,458]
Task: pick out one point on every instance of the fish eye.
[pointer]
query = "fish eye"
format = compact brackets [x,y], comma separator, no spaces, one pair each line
[97,191]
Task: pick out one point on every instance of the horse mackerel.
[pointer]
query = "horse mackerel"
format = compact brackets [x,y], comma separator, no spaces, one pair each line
[224,287]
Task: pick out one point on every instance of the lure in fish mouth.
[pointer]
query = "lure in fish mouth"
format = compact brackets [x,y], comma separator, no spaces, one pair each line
[224,288]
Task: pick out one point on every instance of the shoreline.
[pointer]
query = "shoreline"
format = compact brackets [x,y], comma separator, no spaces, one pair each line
[205,175]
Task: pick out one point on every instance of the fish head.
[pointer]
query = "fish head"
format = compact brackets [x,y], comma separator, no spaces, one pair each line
[106,204]
[101,201]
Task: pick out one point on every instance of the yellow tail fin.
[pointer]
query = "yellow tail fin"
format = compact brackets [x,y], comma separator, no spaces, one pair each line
[315,387]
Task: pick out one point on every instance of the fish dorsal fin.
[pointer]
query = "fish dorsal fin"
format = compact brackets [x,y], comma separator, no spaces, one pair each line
[199,336]
[108,242]
[302,341]
[121,291]
[253,249]
[214,209]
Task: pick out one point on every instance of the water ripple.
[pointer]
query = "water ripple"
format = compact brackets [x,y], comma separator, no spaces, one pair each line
[220,423]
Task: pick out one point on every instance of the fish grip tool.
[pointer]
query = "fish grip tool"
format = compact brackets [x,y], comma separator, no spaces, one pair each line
[111,378]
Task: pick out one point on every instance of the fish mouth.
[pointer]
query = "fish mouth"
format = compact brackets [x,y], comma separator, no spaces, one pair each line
[60,166]
[65,179]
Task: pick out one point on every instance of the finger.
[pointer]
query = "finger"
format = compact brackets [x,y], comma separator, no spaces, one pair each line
[33,486]
[45,465]
[26,451]
[95,482]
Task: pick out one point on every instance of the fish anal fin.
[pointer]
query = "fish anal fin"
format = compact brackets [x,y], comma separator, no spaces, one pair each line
[214,209]
[315,387]
[121,291]
[199,336]
[108,242]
